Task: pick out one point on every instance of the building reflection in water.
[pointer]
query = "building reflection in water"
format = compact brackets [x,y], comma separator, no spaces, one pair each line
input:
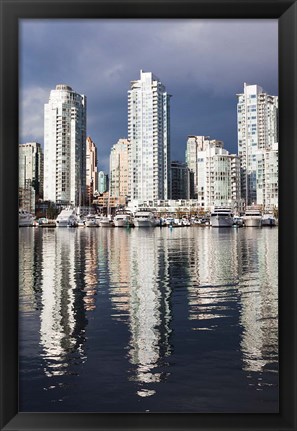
[236,272]
[88,238]
[119,273]
[259,302]
[210,280]
[214,267]
[140,294]
[62,317]
[29,259]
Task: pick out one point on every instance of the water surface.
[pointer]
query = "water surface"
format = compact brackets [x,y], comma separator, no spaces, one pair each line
[148,320]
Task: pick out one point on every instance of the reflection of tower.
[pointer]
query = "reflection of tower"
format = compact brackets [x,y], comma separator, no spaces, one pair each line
[91,261]
[62,318]
[26,268]
[149,309]
[120,269]
[259,299]
[30,262]
[214,274]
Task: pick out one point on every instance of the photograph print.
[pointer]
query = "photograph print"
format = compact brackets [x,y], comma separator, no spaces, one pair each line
[148,215]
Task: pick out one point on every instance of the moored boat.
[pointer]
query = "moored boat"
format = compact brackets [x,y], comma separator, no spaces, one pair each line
[268,220]
[123,218]
[26,219]
[90,221]
[67,218]
[143,218]
[105,222]
[252,217]
[221,217]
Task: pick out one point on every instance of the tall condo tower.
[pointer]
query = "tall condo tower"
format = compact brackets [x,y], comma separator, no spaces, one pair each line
[65,146]
[149,135]
[257,126]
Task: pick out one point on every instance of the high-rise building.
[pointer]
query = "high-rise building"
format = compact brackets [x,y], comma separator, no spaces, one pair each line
[196,144]
[180,180]
[267,178]
[149,134]
[91,168]
[65,146]
[216,172]
[257,126]
[103,183]
[119,168]
[30,175]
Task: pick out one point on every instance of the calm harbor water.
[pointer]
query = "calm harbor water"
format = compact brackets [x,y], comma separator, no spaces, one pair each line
[148,320]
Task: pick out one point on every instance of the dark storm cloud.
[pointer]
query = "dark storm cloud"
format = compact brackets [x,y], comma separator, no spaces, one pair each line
[202,63]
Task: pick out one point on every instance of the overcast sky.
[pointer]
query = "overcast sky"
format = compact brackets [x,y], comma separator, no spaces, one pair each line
[202,63]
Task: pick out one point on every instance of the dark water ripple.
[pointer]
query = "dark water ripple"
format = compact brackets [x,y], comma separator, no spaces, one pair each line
[182,320]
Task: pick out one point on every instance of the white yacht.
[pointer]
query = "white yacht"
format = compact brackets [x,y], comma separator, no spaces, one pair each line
[25,218]
[90,221]
[221,217]
[252,217]
[143,218]
[105,221]
[67,218]
[123,218]
[268,220]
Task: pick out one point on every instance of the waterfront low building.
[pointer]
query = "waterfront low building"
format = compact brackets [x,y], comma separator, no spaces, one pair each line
[107,204]
[167,206]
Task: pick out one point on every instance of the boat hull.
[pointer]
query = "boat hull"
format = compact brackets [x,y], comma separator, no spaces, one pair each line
[252,221]
[62,223]
[144,223]
[25,223]
[269,222]
[221,221]
[106,223]
[91,224]
[122,223]
[25,219]
[123,220]
[66,223]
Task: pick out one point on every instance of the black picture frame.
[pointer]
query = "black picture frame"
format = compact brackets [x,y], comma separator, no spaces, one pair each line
[11,12]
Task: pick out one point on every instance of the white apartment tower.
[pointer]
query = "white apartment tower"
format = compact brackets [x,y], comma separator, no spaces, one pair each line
[65,146]
[267,178]
[216,173]
[119,168]
[257,126]
[196,144]
[149,135]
